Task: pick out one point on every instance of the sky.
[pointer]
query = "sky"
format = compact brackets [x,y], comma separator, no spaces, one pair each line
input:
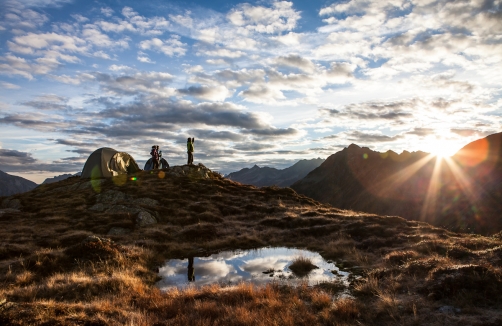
[258,82]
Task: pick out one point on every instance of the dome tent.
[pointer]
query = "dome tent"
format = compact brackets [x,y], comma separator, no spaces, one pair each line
[107,162]
[149,164]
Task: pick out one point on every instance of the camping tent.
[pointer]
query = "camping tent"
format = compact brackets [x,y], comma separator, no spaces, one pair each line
[107,162]
[149,164]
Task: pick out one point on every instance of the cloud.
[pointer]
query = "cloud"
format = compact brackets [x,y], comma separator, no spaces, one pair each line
[296,61]
[152,83]
[395,112]
[261,94]
[422,132]
[9,85]
[169,47]
[108,12]
[369,137]
[218,93]
[289,39]
[17,161]
[135,23]
[281,17]
[217,135]
[17,15]
[48,102]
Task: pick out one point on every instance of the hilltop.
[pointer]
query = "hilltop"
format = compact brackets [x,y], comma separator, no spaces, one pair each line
[267,176]
[86,252]
[461,193]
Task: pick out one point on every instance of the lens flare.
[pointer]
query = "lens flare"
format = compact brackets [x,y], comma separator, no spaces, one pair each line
[162,175]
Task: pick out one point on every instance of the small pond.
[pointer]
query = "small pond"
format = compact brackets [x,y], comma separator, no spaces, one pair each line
[258,266]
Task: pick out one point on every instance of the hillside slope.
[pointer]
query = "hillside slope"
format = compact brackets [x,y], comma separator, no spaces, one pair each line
[266,176]
[463,193]
[86,252]
[11,184]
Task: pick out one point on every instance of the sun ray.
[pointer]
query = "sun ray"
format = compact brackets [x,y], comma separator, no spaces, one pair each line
[397,179]
[429,206]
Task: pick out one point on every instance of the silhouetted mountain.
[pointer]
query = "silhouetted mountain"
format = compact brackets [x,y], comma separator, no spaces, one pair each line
[11,184]
[60,177]
[463,192]
[265,176]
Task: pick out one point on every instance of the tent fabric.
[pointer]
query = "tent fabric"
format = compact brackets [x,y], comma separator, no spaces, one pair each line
[107,162]
[149,164]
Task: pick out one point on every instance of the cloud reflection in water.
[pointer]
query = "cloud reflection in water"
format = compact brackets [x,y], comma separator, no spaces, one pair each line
[230,267]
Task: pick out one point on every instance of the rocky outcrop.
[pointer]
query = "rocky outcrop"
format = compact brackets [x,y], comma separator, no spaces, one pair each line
[197,171]
[116,202]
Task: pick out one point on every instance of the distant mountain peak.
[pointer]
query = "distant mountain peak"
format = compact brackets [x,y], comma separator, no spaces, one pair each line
[267,176]
[11,184]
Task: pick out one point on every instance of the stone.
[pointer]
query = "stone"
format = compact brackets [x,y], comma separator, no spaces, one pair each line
[111,197]
[98,207]
[146,202]
[118,231]
[117,209]
[144,218]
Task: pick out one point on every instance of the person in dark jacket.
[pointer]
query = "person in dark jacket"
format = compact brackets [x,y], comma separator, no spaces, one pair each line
[190,149]
[155,157]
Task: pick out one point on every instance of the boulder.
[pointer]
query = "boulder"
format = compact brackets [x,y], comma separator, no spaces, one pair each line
[146,202]
[144,218]
[111,197]
[117,209]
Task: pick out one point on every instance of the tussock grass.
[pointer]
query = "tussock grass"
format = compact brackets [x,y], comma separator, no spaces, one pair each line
[50,275]
[302,265]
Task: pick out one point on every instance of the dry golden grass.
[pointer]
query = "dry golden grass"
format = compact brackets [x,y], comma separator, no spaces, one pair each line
[50,276]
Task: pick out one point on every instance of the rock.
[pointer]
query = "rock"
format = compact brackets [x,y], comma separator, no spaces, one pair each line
[144,218]
[146,202]
[117,209]
[11,203]
[118,231]
[111,197]
[98,207]
[186,168]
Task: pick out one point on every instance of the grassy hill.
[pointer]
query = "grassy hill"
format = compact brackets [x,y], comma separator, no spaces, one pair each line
[82,252]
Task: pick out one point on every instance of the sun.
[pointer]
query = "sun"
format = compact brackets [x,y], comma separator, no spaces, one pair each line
[442,148]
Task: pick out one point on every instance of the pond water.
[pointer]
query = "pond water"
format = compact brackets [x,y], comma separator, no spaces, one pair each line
[258,266]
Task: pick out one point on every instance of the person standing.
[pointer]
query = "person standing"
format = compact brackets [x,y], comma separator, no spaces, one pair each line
[155,157]
[190,150]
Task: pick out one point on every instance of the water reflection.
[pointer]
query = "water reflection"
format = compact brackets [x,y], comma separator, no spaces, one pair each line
[191,270]
[256,266]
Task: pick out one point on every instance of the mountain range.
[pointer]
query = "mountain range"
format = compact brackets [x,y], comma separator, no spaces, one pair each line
[461,193]
[266,176]
[60,177]
[11,184]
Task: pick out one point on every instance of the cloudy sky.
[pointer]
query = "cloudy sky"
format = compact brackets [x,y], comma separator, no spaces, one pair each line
[266,82]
